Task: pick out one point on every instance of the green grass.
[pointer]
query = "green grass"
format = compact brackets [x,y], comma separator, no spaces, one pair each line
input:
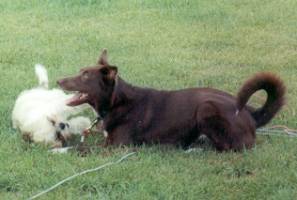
[164,44]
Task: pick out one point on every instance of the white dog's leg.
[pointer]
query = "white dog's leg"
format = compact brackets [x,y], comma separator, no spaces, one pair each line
[60,150]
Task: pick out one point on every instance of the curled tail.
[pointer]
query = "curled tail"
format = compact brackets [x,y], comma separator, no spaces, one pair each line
[275,90]
[42,76]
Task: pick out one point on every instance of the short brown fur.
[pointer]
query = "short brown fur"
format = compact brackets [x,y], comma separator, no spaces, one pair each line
[134,115]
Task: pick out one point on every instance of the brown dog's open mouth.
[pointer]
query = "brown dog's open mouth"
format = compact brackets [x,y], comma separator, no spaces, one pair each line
[77,99]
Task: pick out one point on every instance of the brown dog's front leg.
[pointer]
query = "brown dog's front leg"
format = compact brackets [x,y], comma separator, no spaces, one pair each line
[118,138]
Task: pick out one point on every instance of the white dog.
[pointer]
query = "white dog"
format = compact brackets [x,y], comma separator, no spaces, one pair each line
[41,114]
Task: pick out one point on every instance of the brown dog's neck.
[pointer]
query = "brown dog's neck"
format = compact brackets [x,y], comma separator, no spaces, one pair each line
[122,96]
[124,93]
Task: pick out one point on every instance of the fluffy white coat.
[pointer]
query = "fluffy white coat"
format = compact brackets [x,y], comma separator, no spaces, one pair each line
[39,111]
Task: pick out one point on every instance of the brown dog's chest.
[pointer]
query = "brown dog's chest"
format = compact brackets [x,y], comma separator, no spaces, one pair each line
[152,121]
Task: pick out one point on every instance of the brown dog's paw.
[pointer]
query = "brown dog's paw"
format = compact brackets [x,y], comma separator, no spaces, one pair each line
[83,150]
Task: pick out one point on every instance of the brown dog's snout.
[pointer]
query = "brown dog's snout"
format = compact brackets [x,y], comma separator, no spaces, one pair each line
[68,84]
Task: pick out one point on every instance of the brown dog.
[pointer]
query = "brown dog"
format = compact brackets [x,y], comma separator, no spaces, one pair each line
[134,115]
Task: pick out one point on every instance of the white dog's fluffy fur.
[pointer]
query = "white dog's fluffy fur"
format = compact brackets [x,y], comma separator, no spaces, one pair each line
[41,114]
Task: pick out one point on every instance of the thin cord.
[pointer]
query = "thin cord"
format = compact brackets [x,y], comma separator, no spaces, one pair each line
[277,130]
[79,174]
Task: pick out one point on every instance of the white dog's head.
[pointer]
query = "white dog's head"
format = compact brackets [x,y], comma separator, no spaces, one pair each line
[62,128]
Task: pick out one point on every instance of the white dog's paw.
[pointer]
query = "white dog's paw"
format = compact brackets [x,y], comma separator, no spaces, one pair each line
[60,150]
[190,150]
[105,133]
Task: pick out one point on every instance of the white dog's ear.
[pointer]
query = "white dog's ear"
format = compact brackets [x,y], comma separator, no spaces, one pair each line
[51,120]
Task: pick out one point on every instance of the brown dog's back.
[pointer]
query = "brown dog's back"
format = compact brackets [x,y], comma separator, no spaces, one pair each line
[134,115]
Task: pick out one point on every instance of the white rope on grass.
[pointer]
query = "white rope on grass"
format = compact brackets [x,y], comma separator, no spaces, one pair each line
[261,131]
[277,132]
[79,174]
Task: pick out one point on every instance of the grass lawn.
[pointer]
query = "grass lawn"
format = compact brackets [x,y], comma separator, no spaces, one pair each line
[164,44]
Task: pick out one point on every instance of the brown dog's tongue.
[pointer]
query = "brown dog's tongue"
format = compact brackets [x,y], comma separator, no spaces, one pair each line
[73,100]
[77,99]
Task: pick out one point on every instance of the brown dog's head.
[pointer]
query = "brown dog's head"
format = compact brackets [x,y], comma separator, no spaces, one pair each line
[94,85]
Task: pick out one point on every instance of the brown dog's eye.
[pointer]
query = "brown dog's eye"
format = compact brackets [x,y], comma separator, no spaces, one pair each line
[85,76]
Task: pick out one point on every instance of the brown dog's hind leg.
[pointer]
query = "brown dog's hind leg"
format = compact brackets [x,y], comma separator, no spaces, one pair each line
[217,132]
[190,139]
[215,127]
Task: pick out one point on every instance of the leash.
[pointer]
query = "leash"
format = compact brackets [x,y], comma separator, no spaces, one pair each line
[281,129]
[81,173]
[88,130]
[277,130]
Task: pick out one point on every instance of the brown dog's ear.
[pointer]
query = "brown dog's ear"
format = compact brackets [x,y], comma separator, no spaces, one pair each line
[109,72]
[103,58]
